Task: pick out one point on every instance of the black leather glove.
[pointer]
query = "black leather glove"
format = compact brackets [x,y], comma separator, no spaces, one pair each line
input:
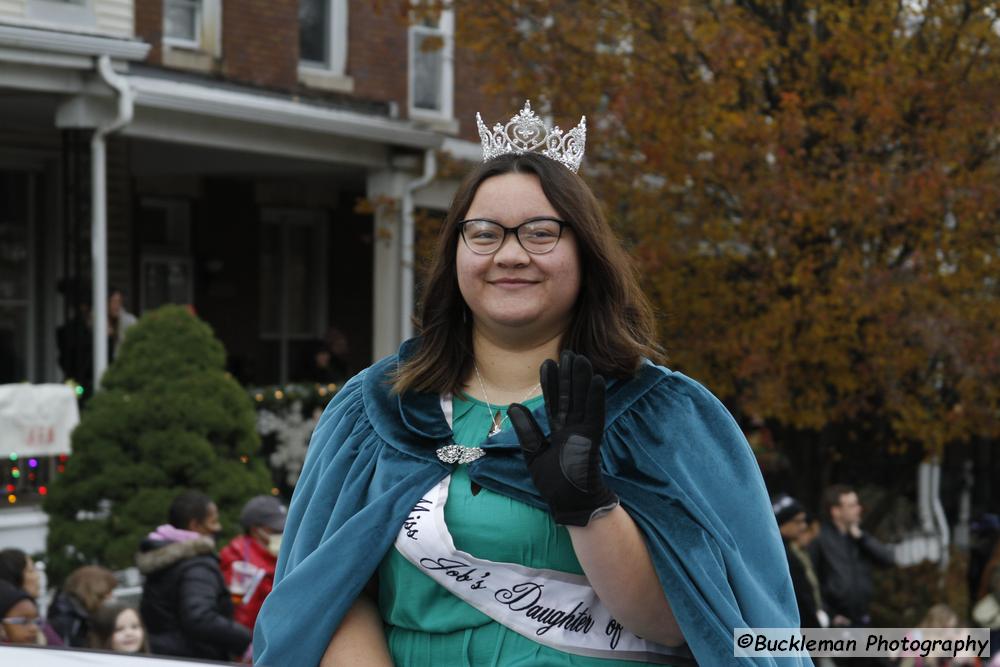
[566,466]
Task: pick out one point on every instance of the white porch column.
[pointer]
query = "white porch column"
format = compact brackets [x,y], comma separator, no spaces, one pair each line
[385,190]
[105,116]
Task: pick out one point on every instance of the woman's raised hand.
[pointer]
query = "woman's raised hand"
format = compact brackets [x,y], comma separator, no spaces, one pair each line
[566,466]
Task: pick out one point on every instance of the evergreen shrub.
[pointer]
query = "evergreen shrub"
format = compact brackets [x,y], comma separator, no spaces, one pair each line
[167,418]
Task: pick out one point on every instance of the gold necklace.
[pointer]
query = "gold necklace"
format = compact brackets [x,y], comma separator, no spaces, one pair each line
[497,426]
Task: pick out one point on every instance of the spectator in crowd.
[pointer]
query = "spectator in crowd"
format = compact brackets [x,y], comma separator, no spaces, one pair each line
[86,588]
[330,361]
[937,624]
[984,549]
[248,561]
[185,601]
[117,627]
[800,548]
[75,338]
[18,568]
[19,621]
[843,556]
[119,321]
[989,579]
[323,368]
[791,518]
[989,586]
[810,533]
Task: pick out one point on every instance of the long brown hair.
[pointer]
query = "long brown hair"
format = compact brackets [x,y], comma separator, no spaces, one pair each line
[91,585]
[104,620]
[612,324]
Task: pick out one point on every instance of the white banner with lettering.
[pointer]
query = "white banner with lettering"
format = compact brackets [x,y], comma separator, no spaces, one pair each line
[36,419]
[557,609]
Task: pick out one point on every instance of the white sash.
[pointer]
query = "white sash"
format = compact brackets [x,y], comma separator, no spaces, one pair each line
[557,609]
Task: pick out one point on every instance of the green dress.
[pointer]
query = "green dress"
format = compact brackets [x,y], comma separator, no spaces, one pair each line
[424,623]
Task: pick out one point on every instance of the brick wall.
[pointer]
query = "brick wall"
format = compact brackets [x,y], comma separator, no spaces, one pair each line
[260,42]
[149,27]
[260,47]
[377,61]
[470,79]
[470,98]
[376,52]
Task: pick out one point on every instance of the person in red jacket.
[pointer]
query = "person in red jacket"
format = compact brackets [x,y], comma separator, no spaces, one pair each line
[248,561]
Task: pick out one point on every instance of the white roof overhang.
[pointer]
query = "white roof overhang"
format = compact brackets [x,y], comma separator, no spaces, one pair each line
[64,48]
[184,112]
[175,109]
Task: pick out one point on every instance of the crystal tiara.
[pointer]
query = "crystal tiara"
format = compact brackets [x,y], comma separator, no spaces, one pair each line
[526,133]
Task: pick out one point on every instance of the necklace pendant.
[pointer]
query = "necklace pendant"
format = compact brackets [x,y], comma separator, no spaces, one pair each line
[497,425]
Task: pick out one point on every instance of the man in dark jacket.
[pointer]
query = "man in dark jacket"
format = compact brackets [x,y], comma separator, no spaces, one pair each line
[791,518]
[185,603]
[843,555]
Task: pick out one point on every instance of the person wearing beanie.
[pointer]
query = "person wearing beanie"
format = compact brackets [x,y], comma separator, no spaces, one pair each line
[18,568]
[791,518]
[249,560]
[19,621]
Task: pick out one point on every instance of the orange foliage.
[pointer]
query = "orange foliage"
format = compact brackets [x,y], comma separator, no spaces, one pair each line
[812,189]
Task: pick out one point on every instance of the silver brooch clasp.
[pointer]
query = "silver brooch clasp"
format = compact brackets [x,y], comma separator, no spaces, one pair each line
[459,454]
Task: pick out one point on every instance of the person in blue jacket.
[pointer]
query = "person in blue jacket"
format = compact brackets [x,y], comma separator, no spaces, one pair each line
[521,484]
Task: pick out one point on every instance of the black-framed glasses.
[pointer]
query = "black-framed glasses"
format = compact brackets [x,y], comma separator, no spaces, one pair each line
[536,235]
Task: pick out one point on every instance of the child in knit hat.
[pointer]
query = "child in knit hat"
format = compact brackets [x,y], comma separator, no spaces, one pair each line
[19,621]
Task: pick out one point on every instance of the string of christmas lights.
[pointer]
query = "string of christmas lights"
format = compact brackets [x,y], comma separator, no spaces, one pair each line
[27,479]
[276,397]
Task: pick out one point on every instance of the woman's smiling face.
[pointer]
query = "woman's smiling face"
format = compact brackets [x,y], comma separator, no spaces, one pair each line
[513,288]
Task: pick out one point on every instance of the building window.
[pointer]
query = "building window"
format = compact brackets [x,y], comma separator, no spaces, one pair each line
[314,30]
[194,25]
[292,279]
[323,34]
[166,273]
[431,63]
[182,20]
[166,279]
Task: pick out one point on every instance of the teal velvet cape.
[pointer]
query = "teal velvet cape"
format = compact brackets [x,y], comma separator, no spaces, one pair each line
[672,452]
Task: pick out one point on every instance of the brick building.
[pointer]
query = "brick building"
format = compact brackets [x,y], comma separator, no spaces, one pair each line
[213,152]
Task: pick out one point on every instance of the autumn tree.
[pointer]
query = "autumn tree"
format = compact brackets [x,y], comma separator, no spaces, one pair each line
[812,190]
